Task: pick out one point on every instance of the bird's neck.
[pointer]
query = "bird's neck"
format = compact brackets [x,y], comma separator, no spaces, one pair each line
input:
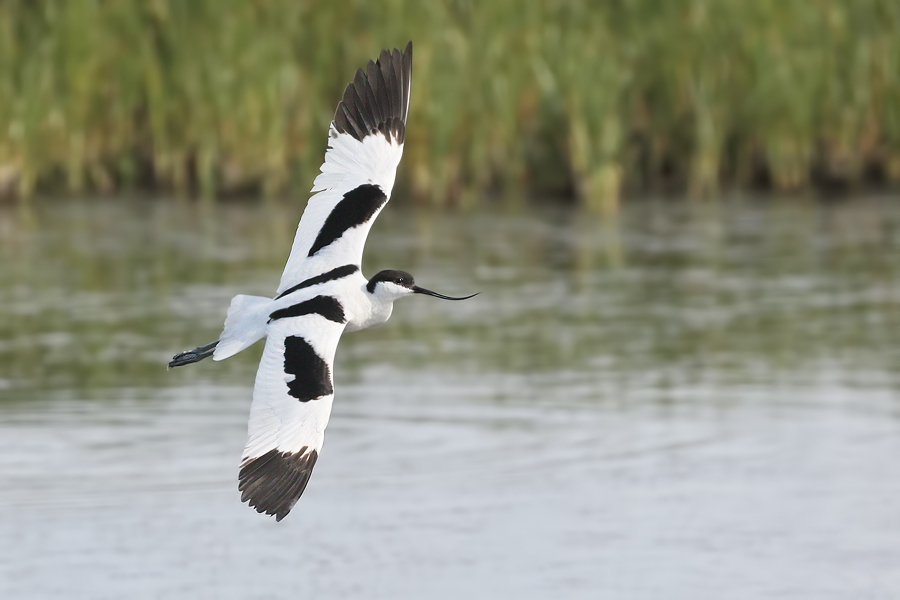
[373,311]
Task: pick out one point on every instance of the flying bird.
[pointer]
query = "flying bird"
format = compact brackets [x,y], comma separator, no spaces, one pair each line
[322,293]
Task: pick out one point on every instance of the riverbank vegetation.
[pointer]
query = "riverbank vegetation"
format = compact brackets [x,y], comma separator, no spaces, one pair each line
[564,98]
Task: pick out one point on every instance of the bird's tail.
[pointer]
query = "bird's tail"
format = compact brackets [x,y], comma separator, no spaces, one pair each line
[244,325]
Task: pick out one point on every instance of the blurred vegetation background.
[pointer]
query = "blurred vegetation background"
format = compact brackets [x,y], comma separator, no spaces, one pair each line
[562,98]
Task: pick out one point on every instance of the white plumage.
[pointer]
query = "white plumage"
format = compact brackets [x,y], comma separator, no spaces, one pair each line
[348,165]
[278,420]
[322,291]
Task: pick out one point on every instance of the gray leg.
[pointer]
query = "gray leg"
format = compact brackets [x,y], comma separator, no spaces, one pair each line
[192,356]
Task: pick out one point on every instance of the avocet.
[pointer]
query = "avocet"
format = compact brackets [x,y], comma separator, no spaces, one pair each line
[322,293]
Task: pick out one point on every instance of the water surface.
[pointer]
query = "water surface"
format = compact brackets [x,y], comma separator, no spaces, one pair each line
[689,401]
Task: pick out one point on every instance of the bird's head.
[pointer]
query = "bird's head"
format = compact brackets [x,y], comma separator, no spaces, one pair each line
[390,285]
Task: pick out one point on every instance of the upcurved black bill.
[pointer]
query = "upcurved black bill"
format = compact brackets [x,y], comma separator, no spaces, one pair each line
[421,290]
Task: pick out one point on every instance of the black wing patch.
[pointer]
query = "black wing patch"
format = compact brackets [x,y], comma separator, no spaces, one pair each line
[312,377]
[326,306]
[336,273]
[355,209]
[272,483]
[377,98]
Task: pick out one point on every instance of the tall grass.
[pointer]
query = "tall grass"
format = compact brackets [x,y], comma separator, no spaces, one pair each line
[215,97]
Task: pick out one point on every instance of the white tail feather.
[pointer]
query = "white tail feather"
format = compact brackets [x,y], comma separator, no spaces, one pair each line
[244,325]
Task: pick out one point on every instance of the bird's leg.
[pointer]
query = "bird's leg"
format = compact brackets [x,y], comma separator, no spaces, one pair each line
[192,356]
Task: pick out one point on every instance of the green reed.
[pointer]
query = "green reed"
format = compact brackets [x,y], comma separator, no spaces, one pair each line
[216,97]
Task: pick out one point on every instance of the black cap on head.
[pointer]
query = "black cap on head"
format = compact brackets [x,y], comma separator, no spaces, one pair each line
[401,278]
[404,279]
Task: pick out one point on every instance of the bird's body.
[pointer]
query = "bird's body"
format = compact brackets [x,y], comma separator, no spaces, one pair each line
[361,309]
[322,293]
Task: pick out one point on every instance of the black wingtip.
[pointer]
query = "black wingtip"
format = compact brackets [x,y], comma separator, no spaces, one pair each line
[272,483]
[377,98]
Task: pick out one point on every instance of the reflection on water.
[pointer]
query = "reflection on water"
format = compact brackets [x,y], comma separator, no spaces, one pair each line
[692,401]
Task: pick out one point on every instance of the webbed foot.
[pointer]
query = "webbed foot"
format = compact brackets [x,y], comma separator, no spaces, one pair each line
[192,356]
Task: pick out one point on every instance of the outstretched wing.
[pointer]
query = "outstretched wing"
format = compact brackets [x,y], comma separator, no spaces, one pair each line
[291,404]
[365,143]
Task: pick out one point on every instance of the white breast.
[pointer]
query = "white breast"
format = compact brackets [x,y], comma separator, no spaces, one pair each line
[361,309]
[371,315]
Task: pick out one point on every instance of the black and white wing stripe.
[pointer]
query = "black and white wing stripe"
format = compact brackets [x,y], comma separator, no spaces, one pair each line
[291,404]
[365,143]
